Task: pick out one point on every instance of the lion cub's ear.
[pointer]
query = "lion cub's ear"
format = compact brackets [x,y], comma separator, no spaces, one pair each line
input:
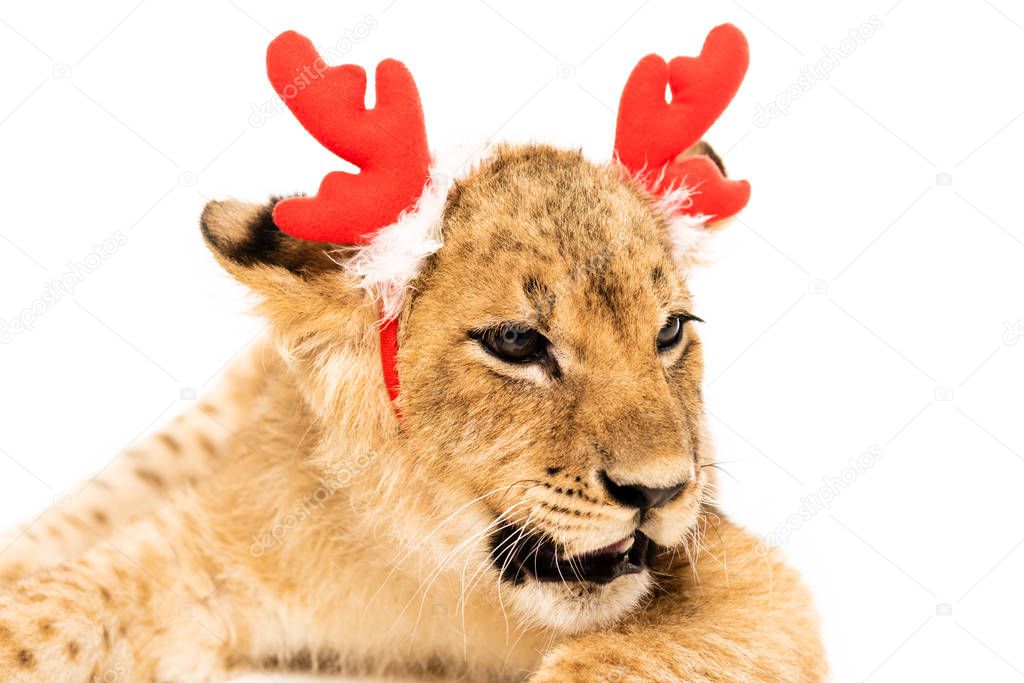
[244,238]
[290,274]
[322,319]
[703,148]
[692,240]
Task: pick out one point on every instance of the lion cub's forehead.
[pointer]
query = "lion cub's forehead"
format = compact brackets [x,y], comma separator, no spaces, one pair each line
[535,217]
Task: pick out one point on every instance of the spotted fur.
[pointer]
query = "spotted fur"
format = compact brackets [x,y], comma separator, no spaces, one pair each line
[316,531]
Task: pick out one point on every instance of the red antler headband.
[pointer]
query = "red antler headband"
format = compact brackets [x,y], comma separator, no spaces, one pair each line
[394,210]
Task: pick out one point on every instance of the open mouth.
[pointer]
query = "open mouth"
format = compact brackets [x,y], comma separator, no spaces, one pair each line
[519,556]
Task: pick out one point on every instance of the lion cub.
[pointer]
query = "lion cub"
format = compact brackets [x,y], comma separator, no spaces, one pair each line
[538,511]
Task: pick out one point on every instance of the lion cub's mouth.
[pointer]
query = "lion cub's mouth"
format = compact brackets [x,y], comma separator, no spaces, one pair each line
[519,556]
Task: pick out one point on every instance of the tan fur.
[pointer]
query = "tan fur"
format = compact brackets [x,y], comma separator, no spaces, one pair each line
[327,535]
[180,453]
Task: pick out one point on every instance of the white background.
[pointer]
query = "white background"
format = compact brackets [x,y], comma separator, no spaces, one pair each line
[870,295]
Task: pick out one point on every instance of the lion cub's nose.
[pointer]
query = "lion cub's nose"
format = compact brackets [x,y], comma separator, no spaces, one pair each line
[642,497]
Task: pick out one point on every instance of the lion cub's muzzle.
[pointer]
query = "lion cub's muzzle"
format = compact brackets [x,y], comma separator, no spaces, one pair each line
[521,554]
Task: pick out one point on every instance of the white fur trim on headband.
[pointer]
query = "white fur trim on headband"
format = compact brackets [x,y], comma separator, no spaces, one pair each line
[395,255]
[387,265]
[690,235]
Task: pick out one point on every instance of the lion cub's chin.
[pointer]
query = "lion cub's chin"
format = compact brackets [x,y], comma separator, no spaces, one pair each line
[578,607]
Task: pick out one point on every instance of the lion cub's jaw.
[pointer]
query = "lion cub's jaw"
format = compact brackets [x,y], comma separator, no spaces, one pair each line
[541,238]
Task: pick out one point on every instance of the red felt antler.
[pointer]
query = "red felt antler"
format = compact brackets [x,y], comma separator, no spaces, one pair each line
[651,133]
[388,143]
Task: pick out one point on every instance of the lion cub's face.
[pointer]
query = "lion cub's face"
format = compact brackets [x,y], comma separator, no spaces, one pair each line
[550,372]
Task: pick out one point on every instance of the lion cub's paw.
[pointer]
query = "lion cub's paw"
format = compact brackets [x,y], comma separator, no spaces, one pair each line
[614,661]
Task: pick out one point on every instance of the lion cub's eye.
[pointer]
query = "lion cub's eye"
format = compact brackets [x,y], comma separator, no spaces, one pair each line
[672,331]
[513,343]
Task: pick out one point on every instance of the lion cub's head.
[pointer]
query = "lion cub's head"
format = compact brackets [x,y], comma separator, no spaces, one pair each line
[550,370]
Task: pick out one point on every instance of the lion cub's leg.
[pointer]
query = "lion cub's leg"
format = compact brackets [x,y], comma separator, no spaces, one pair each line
[144,606]
[140,479]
